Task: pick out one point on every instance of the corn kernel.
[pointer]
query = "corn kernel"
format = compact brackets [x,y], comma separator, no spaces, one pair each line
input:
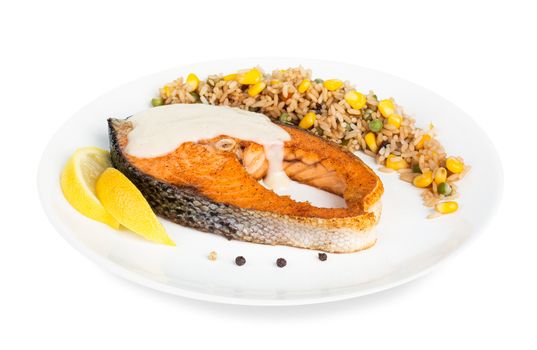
[253,76]
[274,82]
[213,256]
[192,82]
[446,207]
[308,120]
[422,141]
[256,89]
[440,175]
[355,99]
[304,86]
[230,77]
[165,90]
[395,120]
[386,107]
[423,180]
[454,165]
[396,164]
[332,84]
[371,141]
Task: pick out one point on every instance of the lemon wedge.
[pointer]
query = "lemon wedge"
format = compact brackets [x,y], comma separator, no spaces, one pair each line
[78,180]
[129,207]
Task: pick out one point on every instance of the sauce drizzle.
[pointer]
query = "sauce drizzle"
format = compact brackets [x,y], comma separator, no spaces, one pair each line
[160,130]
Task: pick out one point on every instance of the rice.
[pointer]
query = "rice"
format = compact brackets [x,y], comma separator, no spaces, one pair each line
[335,120]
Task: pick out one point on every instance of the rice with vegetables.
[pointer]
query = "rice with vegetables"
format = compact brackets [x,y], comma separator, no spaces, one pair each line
[333,109]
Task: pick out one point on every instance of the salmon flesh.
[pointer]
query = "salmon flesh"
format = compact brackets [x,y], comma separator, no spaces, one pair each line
[213,186]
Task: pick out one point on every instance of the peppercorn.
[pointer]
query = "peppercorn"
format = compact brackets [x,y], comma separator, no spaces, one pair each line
[240,260]
[323,256]
[281,262]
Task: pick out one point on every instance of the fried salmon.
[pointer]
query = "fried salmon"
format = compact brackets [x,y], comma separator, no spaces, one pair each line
[213,185]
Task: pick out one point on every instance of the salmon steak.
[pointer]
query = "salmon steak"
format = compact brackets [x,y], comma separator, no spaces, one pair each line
[213,185]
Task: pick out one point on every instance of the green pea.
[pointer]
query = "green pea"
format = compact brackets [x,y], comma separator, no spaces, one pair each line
[375,125]
[416,168]
[157,102]
[196,96]
[367,113]
[283,117]
[319,81]
[444,188]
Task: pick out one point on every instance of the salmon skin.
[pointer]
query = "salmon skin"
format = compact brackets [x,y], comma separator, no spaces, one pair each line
[216,189]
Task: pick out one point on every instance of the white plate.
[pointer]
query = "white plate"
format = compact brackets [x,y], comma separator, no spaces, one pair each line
[408,246]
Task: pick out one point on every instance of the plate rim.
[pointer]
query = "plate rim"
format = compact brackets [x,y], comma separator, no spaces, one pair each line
[131,276]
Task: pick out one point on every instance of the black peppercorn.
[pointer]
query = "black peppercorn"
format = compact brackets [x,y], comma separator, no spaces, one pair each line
[240,260]
[322,256]
[281,262]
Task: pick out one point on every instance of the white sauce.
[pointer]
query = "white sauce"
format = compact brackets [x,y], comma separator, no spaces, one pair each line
[161,130]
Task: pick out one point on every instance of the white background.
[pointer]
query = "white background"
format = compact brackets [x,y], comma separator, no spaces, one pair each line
[58,56]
